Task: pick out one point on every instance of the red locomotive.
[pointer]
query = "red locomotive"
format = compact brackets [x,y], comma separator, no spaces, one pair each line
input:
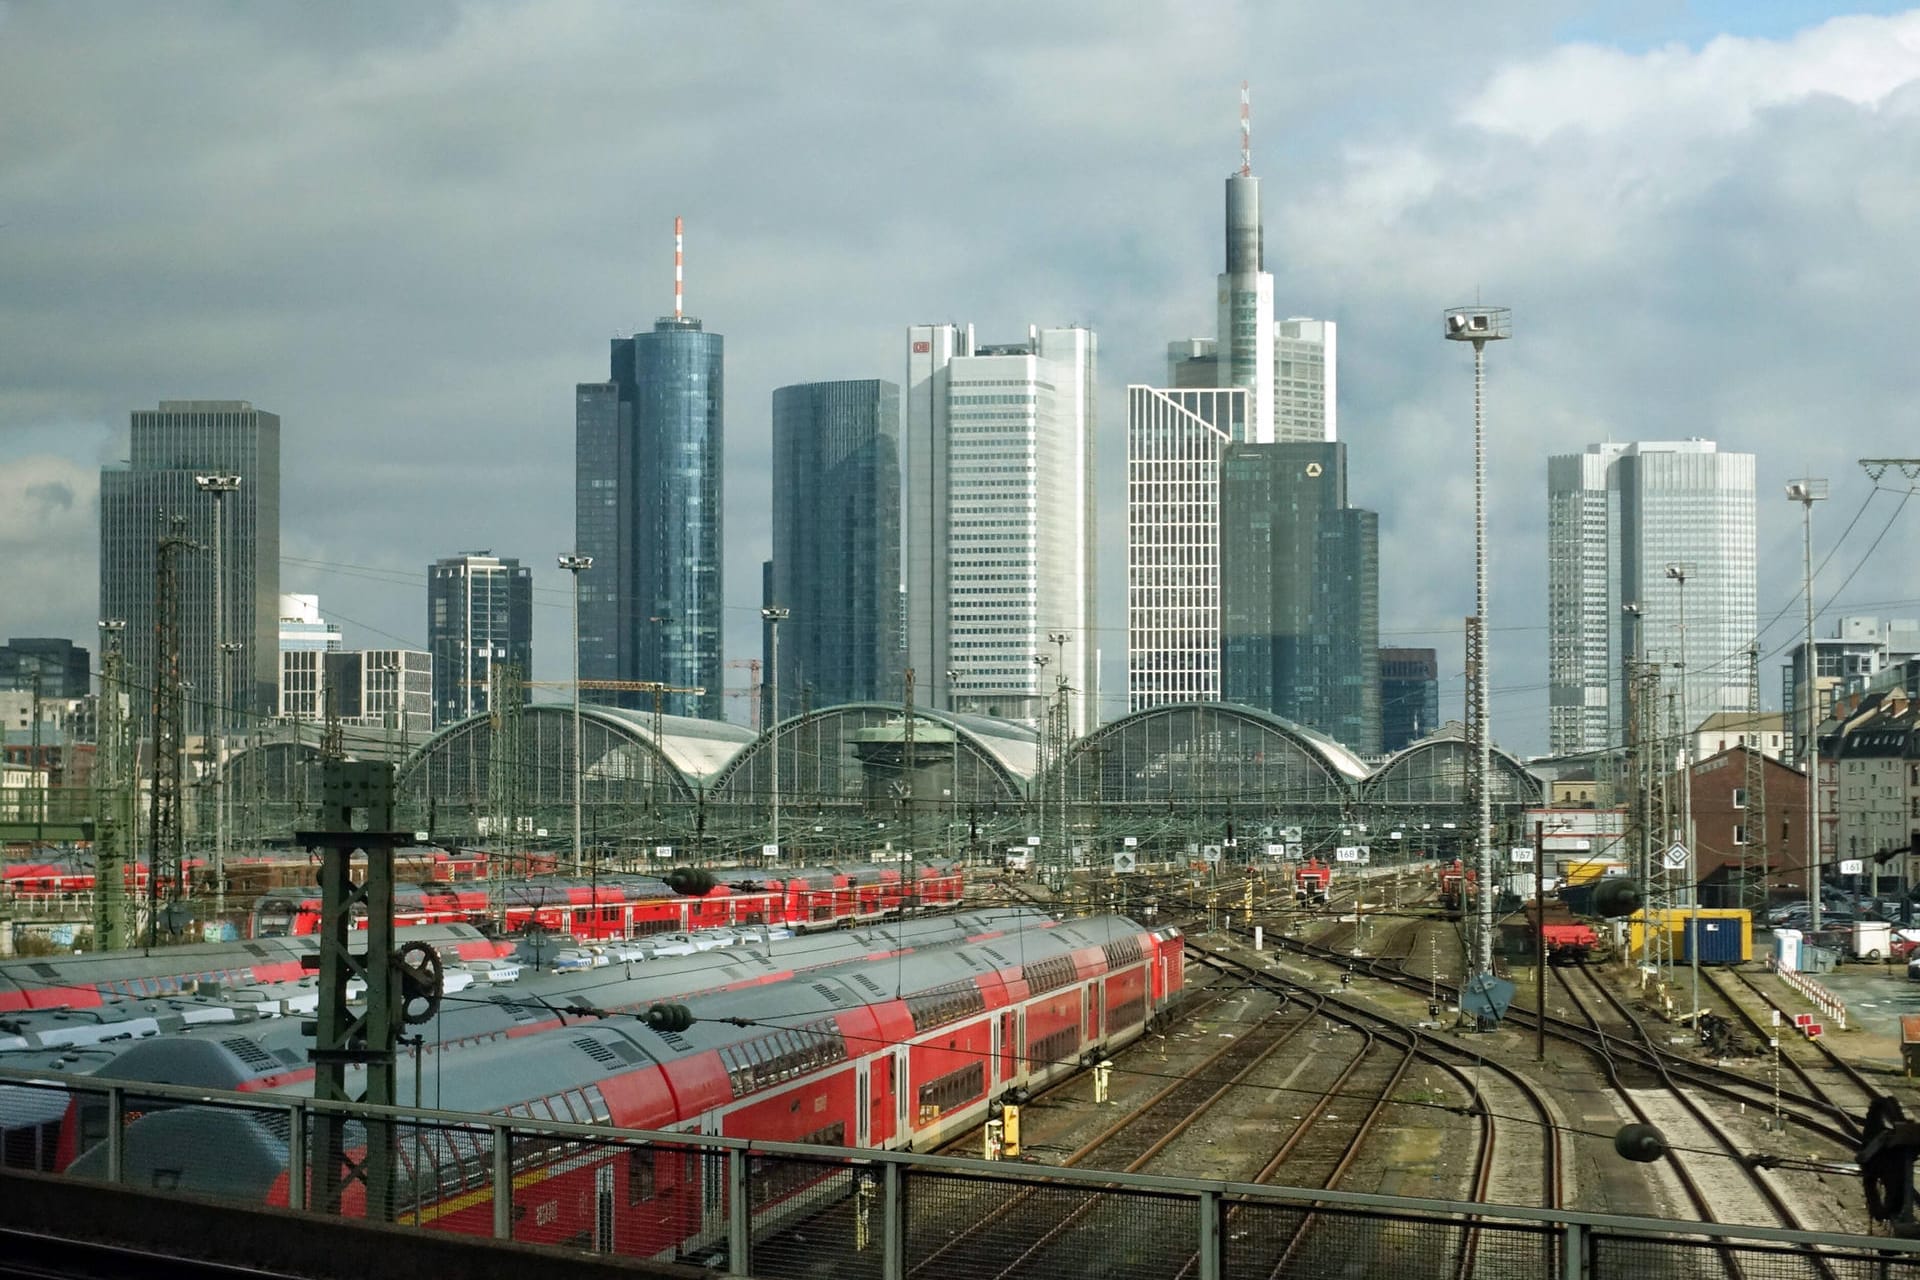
[1458,885]
[1312,882]
[956,1030]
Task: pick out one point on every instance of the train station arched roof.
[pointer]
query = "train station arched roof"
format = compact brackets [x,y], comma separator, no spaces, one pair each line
[825,756]
[1435,770]
[618,745]
[1211,752]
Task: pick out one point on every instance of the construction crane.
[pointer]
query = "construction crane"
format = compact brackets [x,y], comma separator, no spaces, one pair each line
[752,691]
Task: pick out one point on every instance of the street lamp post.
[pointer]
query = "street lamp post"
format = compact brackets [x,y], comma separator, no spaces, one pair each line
[1480,325]
[577,564]
[1040,661]
[1806,493]
[1629,702]
[219,486]
[774,615]
[1679,572]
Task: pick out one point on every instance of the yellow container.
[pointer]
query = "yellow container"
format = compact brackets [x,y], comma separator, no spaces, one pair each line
[1585,869]
[1673,923]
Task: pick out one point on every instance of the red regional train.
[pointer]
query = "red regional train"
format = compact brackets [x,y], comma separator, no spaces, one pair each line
[906,1052]
[627,906]
[1312,882]
[246,873]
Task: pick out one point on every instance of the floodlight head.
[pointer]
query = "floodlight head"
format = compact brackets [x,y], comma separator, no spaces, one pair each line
[1631,609]
[774,613]
[1678,572]
[1455,323]
[1478,323]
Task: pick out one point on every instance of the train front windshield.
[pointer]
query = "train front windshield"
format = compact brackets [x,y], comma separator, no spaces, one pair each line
[273,919]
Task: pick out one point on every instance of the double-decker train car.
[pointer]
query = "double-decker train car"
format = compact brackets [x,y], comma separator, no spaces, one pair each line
[905,1052]
[93,977]
[1312,882]
[54,1039]
[632,906]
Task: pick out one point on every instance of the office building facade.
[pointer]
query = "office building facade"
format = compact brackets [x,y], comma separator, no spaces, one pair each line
[1618,515]
[647,507]
[999,520]
[64,669]
[1409,697]
[479,616]
[169,447]
[1300,591]
[836,542]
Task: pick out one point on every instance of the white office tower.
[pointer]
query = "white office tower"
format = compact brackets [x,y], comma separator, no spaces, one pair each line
[1306,363]
[999,520]
[1174,441]
[1617,516]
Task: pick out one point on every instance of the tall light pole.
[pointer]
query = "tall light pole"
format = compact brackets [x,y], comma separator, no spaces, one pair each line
[1062,734]
[953,770]
[1040,661]
[774,615]
[1806,493]
[1480,325]
[219,486]
[577,564]
[1630,704]
[1679,572]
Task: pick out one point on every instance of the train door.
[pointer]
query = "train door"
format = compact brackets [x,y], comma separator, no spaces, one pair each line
[861,1119]
[713,1187]
[1097,1000]
[903,1097]
[881,1084]
[603,1207]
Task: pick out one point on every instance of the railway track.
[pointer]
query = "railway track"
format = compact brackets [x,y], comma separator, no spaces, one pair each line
[1686,1123]
[1794,1051]
[1809,1112]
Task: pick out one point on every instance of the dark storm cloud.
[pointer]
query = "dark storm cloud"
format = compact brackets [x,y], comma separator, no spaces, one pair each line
[410,230]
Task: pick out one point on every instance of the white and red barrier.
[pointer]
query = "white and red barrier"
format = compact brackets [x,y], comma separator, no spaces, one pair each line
[1821,998]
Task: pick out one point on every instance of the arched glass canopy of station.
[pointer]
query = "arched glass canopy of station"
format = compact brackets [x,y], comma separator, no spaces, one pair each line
[470,781]
[859,758]
[1426,786]
[1212,757]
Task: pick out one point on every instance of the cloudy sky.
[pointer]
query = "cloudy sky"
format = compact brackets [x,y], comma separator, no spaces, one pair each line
[410,229]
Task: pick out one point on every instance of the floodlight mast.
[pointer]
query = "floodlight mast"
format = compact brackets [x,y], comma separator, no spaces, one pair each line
[1481,324]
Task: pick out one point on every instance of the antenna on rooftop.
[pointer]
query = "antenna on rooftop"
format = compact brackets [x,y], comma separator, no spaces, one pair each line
[678,286]
[1246,132]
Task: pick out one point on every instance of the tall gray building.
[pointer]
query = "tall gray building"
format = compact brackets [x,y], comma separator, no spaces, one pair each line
[479,616]
[998,520]
[836,541]
[648,444]
[1617,516]
[1300,591]
[1409,697]
[169,447]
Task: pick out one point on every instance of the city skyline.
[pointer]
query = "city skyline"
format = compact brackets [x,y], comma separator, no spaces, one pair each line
[416,369]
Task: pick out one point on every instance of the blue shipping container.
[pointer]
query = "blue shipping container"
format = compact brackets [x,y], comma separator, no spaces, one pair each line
[1719,941]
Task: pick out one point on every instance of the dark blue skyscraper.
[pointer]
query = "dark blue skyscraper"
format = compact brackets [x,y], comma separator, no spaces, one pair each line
[1299,591]
[836,542]
[648,444]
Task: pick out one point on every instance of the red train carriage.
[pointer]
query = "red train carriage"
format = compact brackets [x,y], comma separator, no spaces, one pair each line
[1569,942]
[1312,882]
[958,1029]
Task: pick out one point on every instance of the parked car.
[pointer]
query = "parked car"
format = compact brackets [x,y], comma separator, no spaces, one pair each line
[1913,968]
[494,972]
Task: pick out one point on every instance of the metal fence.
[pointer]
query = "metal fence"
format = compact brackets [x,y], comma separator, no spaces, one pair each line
[782,1210]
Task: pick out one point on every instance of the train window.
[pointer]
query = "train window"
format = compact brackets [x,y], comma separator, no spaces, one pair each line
[640,1176]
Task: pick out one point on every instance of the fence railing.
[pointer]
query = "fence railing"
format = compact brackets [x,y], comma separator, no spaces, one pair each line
[775,1209]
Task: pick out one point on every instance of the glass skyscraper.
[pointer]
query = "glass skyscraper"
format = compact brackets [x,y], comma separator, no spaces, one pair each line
[479,616]
[647,450]
[1409,697]
[171,445]
[836,542]
[1617,516]
[1300,591]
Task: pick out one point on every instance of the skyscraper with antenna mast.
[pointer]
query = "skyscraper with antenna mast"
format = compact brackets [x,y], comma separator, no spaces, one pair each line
[648,444]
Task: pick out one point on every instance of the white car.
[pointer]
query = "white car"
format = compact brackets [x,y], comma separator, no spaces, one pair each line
[494,972]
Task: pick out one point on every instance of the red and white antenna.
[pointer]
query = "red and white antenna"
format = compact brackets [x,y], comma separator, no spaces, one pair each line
[1246,132]
[678,285]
